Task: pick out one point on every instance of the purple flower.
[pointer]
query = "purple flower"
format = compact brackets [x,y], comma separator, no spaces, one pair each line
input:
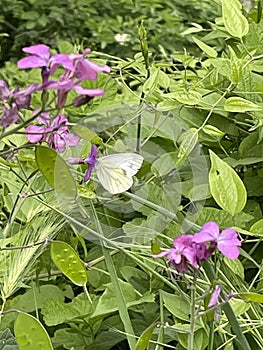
[90,160]
[40,58]
[55,133]
[215,296]
[227,241]
[13,101]
[70,80]
[9,116]
[182,253]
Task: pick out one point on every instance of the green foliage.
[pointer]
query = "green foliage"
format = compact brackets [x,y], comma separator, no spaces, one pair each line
[197,121]
[104,26]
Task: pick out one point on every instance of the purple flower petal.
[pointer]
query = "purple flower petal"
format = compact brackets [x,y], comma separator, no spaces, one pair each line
[41,50]
[89,92]
[35,133]
[71,139]
[215,296]
[31,62]
[209,233]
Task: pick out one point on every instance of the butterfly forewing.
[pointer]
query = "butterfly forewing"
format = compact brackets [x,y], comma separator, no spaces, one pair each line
[115,171]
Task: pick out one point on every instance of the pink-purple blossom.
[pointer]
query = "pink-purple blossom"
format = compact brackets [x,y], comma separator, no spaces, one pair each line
[191,249]
[226,241]
[54,132]
[77,69]
[90,160]
[215,296]
[13,101]
[40,58]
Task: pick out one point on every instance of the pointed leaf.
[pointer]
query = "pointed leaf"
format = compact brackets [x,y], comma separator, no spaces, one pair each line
[226,186]
[236,24]
[145,337]
[208,50]
[239,104]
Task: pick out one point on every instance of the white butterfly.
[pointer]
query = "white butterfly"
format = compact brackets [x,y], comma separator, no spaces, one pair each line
[115,171]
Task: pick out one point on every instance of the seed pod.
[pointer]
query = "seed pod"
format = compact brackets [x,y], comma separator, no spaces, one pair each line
[30,334]
[69,263]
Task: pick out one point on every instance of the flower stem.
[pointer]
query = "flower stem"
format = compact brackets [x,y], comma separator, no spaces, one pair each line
[192,315]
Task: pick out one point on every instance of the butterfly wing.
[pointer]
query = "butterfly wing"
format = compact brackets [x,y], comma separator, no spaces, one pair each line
[115,171]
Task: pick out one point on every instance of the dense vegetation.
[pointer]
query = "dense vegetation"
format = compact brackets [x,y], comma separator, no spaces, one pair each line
[159,252]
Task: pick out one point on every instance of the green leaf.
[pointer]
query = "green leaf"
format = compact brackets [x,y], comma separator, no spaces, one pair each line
[69,263]
[57,312]
[56,171]
[145,337]
[257,228]
[235,23]
[187,97]
[177,305]
[214,133]
[226,187]
[108,302]
[87,134]
[152,81]
[7,340]
[164,164]
[236,266]
[236,67]
[239,104]
[188,141]
[254,297]
[208,50]
[30,334]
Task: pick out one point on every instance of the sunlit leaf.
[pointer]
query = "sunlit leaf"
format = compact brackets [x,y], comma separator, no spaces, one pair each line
[226,186]
[239,104]
[235,22]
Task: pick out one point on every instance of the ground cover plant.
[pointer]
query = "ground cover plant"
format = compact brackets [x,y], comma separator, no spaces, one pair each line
[131,192]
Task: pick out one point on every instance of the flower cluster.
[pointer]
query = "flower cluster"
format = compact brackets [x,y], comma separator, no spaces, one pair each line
[51,129]
[55,132]
[195,248]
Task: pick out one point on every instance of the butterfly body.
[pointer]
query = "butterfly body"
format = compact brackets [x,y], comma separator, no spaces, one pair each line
[115,171]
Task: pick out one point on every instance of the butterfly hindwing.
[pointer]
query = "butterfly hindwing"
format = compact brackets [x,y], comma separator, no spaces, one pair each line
[115,171]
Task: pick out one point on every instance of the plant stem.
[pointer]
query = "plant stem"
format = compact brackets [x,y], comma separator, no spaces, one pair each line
[191,334]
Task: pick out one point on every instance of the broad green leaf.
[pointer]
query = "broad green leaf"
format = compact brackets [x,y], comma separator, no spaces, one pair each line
[69,263]
[239,104]
[187,97]
[226,186]
[66,338]
[143,341]
[108,302]
[208,50]
[164,164]
[177,305]
[30,334]
[235,22]
[239,306]
[56,171]
[257,228]
[87,134]
[200,338]
[188,141]
[57,312]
